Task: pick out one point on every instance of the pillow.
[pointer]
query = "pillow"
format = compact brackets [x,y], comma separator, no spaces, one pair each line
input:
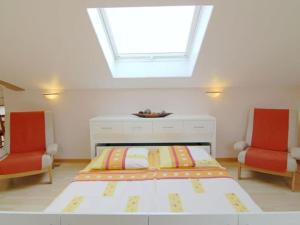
[185,156]
[120,158]
[202,158]
[175,157]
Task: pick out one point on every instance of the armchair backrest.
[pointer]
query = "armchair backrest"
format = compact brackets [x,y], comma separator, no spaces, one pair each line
[272,129]
[28,131]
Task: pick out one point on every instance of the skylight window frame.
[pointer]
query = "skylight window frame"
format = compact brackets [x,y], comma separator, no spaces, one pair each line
[151,56]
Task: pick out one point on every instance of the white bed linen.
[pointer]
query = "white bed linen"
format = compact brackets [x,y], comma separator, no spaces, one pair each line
[154,195]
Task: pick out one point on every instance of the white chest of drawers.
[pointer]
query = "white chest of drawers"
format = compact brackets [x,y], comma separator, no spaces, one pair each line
[172,129]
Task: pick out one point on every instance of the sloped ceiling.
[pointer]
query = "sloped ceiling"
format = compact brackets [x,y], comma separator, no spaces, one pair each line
[50,44]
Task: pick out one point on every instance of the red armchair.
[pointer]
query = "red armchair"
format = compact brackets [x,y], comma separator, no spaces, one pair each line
[270,145]
[2,130]
[28,144]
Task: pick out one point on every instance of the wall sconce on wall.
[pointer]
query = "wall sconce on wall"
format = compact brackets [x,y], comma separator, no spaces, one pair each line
[51,96]
[213,94]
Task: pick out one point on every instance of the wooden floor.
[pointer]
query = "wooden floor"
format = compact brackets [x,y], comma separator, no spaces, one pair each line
[271,193]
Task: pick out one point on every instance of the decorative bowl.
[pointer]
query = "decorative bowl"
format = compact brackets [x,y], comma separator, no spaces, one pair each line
[152,115]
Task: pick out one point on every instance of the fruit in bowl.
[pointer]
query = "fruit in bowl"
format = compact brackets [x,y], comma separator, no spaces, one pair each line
[149,114]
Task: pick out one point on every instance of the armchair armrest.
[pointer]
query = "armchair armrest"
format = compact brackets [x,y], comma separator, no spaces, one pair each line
[52,149]
[240,146]
[295,152]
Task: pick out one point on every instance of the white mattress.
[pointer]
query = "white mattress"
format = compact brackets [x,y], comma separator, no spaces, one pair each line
[154,196]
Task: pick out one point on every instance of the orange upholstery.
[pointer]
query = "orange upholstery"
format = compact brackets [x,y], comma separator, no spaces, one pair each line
[270,129]
[2,130]
[27,132]
[269,145]
[267,159]
[21,162]
[27,143]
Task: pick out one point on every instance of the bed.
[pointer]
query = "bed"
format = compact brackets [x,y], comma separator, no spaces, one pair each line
[209,189]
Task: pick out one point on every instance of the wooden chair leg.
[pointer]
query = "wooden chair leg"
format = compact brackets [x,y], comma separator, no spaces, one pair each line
[293,181]
[53,164]
[239,171]
[50,175]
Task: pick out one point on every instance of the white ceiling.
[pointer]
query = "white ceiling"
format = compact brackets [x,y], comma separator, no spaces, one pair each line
[50,44]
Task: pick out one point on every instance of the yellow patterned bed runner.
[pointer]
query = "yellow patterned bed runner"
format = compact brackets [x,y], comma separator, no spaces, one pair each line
[73,204]
[128,175]
[236,203]
[175,202]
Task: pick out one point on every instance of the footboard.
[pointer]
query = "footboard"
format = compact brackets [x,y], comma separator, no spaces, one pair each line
[28,218]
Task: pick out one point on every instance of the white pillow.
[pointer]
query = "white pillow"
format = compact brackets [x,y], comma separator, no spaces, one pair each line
[202,158]
[137,158]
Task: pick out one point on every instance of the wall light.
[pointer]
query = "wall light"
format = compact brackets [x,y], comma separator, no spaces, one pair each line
[213,94]
[51,96]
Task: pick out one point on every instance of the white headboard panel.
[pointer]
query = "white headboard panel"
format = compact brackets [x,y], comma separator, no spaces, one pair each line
[174,129]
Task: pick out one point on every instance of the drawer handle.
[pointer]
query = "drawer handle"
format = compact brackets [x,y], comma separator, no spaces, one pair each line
[199,127]
[106,128]
[170,127]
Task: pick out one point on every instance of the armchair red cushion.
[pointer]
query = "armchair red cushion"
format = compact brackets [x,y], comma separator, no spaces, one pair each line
[21,162]
[267,159]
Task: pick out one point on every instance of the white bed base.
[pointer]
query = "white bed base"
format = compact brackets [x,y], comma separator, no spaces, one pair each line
[29,218]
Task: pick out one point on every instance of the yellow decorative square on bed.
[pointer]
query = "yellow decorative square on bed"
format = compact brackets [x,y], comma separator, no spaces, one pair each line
[197,186]
[110,189]
[73,204]
[132,203]
[175,202]
[236,203]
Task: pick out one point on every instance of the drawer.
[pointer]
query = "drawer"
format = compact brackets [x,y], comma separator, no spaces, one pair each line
[167,127]
[198,126]
[106,128]
[137,128]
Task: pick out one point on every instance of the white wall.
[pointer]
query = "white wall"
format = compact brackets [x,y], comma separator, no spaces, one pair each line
[74,108]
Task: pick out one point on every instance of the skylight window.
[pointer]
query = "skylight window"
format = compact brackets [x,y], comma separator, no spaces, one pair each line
[142,42]
[149,30]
